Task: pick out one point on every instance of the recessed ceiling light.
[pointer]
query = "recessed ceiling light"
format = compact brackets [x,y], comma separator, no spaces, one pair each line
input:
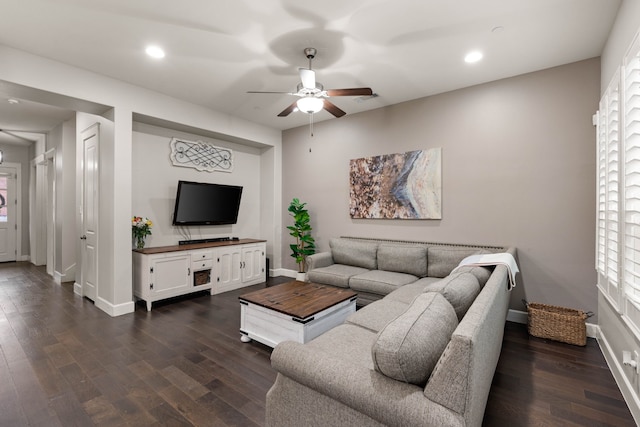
[155,52]
[497,29]
[473,57]
[13,101]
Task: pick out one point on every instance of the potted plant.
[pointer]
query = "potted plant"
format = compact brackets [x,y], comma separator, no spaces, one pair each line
[301,230]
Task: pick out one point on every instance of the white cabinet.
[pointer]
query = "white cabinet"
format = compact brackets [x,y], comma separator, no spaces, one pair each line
[228,269]
[161,276]
[170,271]
[239,266]
[253,261]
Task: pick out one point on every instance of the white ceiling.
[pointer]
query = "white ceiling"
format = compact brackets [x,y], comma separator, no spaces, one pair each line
[218,50]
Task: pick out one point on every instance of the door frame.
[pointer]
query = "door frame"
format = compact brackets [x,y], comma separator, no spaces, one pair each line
[18,168]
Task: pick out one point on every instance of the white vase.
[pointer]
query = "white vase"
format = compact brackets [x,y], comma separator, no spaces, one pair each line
[301,277]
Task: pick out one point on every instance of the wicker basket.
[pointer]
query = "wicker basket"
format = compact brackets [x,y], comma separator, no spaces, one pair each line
[557,323]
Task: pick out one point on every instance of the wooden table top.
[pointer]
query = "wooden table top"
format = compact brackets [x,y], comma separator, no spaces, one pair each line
[298,299]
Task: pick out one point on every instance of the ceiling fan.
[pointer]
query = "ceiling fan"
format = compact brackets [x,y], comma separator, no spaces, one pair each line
[313,96]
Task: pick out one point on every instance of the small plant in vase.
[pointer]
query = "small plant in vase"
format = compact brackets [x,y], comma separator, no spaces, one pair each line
[140,229]
[301,230]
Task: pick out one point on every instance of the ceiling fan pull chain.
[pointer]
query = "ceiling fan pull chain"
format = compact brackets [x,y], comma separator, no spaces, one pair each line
[311,124]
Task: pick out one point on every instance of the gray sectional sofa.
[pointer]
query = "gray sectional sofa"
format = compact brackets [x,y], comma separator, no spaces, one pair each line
[422,352]
[374,268]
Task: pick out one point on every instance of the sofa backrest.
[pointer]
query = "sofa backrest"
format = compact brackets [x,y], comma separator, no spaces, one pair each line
[354,252]
[404,256]
[462,378]
[410,259]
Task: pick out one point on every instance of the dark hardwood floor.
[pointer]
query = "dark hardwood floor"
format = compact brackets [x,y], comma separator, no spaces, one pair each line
[63,362]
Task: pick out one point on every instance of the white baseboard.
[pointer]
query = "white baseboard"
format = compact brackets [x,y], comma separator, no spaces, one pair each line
[68,275]
[518,316]
[24,258]
[77,288]
[115,310]
[275,272]
[627,389]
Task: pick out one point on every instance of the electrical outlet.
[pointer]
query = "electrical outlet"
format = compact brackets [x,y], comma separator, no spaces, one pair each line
[631,359]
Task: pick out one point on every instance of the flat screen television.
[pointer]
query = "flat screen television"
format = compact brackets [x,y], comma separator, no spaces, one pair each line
[200,203]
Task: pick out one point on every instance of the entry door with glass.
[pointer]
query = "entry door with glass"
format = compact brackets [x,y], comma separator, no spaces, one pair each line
[8,230]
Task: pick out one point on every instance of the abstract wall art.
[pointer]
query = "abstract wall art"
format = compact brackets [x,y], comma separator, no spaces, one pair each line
[200,155]
[397,186]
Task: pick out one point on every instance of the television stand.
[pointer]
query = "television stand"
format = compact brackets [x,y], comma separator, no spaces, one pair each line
[210,240]
[169,271]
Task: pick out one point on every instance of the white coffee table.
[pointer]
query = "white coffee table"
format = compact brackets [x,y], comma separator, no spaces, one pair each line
[295,311]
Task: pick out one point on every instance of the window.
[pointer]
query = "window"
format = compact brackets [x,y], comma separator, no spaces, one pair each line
[631,134]
[618,190]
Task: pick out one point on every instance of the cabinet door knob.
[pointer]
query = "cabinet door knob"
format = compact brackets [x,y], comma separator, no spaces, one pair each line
[83,237]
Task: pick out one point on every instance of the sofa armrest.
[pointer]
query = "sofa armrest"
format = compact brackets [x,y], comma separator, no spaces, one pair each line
[381,398]
[321,259]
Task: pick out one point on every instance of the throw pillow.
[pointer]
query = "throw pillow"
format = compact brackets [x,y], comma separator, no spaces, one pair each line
[460,289]
[408,348]
[481,273]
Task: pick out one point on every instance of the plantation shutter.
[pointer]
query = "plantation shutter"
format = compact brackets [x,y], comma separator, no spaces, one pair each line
[631,135]
[601,252]
[613,185]
[608,191]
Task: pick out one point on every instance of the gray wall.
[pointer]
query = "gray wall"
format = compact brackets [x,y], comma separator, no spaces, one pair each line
[518,162]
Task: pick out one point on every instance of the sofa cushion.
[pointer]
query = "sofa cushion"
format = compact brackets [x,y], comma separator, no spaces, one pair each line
[407,293]
[408,348]
[376,315]
[380,282]
[403,259]
[335,274]
[481,273]
[354,252]
[441,260]
[346,342]
[460,289]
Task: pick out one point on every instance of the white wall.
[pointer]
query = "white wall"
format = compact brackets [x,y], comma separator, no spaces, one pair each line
[625,27]
[63,139]
[155,181]
[63,85]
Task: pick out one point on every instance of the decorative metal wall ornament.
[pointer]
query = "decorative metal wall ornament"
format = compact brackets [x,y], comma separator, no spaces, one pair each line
[200,155]
[397,186]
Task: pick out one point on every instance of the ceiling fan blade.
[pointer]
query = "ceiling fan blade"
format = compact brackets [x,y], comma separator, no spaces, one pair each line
[356,91]
[288,110]
[308,78]
[333,109]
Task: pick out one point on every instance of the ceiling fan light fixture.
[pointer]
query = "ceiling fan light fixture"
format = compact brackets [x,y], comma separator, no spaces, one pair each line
[155,52]
[310,104]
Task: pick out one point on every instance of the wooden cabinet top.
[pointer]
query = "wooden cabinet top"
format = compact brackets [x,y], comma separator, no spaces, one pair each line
[177,248]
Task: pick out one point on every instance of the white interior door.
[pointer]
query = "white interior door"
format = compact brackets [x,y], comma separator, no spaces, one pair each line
[90,175]
[8,199]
